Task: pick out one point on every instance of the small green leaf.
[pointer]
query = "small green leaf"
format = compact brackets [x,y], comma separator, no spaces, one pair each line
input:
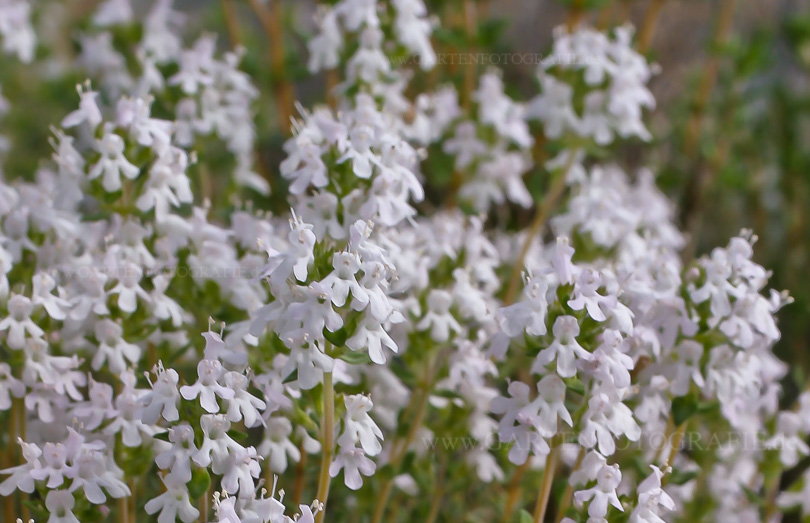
[337,338]
[525,517]
[575,385]
[355,358]
[683,408]
[200,481]
[163,436]
[679,477]
[238,435]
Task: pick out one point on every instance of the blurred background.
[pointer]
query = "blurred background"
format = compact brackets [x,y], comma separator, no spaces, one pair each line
[732,125]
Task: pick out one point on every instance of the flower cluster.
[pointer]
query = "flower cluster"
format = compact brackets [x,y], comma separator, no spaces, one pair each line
[174,352]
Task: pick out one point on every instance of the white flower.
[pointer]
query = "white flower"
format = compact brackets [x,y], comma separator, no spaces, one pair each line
[9,386]
[528,315]
[465,145]
[413,30]
[128,289]
[527,422]
[217,444]
[340,282]
[564,348]
[217,349]
[207,386]
[162,400]
[226,509]
[112,348]
[801,497]
[90,470]
[113,12]
[324,47]
[54,458]
[359,427]
[586,295]
[276,445]
[60,505]
[177,458]
[789,439]
[99,406]
[354,464]
[43,286]
[20,476]
[603,493]
[88,110]
[134,114]
[591,464]
[172,504]
[239,470]
[496,109]
[15,28]
[244,405]
[438,318]
[282,265]
[18,323]
[608,363]
[650,498]
[686,367]
[112,163]
[605,418]
[126,418]
[303,165]
[370,335]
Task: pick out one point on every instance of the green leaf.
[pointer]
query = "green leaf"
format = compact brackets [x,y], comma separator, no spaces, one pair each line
[355,358]
[679,477]
[525,517]
[337,338]
[238,435]
[683,408]
[575,385]
[200,481]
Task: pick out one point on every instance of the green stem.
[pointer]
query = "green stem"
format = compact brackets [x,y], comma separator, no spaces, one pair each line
[565,501]
[327,442]
[541,216]
[419,402]
[545,486]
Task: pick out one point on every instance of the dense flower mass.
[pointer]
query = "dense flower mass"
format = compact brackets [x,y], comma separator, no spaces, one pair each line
[184,356]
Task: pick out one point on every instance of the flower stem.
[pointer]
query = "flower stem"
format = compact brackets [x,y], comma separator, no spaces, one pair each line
[575,14]
[565,500]
[675,444]
[419,404]
[327,443]
[300,469]
[513,492]
[132,501]
[540,218]
[694,198]
[545,486]
[470,31]
[123,510]
[231,23]
[203,504]
[270,19]
[10,456]
[382,501]
[649,25]
[438,496]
